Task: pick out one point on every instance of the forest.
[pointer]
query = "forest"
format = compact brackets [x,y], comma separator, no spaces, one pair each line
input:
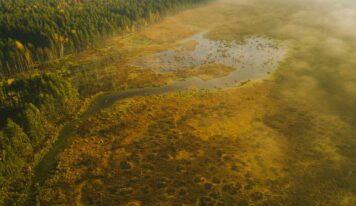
[31,110]
[35,31]
[35,104]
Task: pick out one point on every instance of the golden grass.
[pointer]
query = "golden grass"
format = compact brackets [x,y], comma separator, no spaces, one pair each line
[232,114]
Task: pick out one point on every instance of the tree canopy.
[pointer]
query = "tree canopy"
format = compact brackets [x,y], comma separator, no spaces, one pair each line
[30,108]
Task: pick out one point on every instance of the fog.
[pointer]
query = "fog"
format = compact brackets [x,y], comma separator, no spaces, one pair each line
[318,79]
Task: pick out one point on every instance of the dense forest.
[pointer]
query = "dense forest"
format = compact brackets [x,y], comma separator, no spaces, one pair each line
[34,105]
[33,31]
[31,109]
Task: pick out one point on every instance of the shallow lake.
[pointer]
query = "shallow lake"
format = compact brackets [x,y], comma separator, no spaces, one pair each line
[253,58]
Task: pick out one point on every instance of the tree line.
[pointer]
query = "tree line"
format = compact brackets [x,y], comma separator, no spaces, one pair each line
[33,31]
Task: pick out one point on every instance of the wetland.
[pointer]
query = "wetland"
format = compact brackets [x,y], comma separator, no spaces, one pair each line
[230,103]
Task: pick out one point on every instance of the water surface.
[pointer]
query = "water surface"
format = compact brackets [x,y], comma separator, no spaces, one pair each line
[254,57]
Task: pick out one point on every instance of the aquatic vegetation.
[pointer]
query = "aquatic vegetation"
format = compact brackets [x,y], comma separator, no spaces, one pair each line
[255,54]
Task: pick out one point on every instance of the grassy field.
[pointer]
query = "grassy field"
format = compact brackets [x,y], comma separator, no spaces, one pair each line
[285,140]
